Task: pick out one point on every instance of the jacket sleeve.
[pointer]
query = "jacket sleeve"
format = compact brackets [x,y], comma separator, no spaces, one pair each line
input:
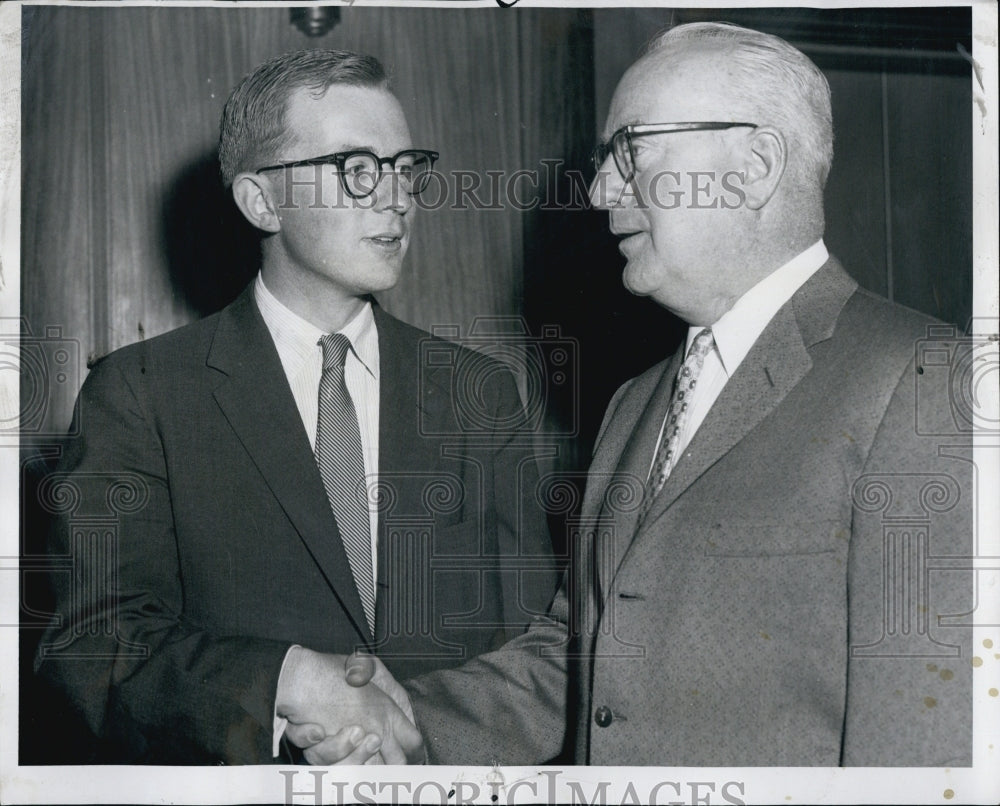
[505,707]
[149,683]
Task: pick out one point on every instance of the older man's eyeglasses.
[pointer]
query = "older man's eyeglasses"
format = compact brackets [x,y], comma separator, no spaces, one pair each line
[619,144]
[360,171]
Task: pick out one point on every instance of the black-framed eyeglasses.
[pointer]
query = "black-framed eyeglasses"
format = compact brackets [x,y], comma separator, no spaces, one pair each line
[620,143]
[360,171]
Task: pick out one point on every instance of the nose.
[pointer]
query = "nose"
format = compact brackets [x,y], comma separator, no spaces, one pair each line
[608,187]
[391,193]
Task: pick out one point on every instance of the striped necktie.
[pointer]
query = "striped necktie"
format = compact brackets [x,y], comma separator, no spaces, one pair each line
[342,466]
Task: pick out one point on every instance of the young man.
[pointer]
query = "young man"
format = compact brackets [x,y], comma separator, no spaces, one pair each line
[299,483]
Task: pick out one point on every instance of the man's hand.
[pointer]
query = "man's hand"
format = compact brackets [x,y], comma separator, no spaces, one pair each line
[350,745]
[346,710]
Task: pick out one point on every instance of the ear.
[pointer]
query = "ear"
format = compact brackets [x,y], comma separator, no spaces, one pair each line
[252,194]
[768,155]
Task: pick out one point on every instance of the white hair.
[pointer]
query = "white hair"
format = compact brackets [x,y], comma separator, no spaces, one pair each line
[783,86]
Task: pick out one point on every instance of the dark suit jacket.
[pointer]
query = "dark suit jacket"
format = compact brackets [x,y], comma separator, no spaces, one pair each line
[203,545]
[799,592]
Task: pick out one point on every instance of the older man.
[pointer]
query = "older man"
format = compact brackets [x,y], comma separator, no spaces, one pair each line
[753,585]
[251,555]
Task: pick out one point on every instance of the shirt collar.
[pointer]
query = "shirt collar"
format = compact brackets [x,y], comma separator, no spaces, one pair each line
[736,330]
[363,335]
[296,339]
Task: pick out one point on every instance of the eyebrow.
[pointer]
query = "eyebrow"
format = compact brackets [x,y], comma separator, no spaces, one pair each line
[367,147]
[356,147]
[633,122]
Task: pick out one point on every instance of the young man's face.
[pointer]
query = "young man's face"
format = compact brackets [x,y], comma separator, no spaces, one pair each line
[331,246]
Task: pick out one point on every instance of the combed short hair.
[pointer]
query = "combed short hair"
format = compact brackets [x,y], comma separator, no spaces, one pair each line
[253,131]
[785,88]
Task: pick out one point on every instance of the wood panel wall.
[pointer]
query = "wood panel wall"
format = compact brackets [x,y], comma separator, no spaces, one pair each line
[126,231]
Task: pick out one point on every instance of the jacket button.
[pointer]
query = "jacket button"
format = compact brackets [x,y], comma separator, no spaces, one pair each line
[603,716]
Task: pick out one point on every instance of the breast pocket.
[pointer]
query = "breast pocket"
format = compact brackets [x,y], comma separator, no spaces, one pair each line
[756,539]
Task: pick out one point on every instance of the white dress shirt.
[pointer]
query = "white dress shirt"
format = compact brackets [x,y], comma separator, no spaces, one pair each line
[737,330]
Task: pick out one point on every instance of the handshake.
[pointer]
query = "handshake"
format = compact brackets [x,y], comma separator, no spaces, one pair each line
[346,710]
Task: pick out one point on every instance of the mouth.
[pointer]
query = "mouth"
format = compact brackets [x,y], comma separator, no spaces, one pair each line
[622,226]
[387,241]
[629,239]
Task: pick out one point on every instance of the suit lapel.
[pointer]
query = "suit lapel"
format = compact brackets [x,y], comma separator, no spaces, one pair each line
[392,400]
[775,364]
[772,368]
[258,403]
[409,399]
[406,397]
[778,360]
[626,450]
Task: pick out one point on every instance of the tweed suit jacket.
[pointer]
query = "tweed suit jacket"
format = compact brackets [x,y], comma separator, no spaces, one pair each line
[775,606]
[222,549]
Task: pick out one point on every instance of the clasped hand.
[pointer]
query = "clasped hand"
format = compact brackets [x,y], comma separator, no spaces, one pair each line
[346,710]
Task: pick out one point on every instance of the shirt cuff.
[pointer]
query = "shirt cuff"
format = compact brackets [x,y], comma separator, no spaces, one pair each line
[280,723]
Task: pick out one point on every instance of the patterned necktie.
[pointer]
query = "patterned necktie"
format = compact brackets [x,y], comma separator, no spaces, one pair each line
[342,466]
[673,426]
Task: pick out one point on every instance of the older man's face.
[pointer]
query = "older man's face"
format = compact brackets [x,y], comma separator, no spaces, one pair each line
[680,215]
